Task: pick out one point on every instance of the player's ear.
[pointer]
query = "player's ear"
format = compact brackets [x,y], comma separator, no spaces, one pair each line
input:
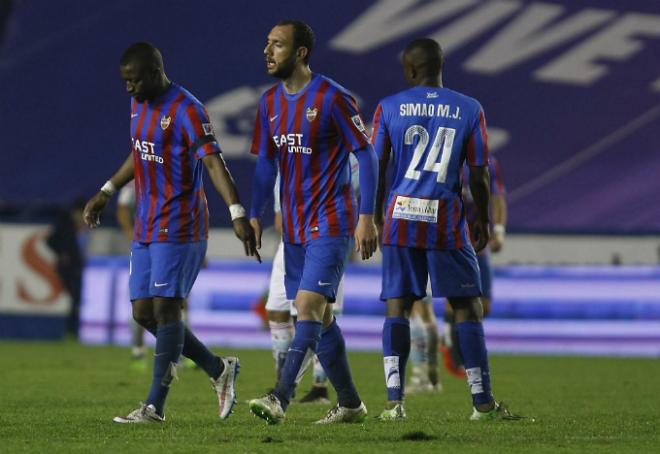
[302,52]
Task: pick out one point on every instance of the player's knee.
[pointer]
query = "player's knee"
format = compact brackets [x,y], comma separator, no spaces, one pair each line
[167,310]
[143,316]
[467,309]
[399,307]
[486,304]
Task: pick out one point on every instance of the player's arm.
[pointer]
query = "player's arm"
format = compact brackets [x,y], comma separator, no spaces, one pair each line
[262,186]
[366,234]
[382,146]
[95,205]
[499,207]
[226,187]
[480,189]
[477,159]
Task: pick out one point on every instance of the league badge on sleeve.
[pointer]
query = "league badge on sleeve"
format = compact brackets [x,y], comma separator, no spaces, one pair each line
[165,122]
[208,129]
[357,121]
[311,114]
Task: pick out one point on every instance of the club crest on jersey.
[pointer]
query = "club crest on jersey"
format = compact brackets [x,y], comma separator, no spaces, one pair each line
[357,121]
[311,114]
[165,122]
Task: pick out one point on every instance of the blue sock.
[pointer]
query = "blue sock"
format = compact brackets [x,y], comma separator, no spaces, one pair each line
[308,333]
[396,349]
[332,356]
[169,343]
[195,350]
[473,349]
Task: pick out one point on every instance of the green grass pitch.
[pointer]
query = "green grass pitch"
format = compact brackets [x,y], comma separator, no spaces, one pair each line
[61,397]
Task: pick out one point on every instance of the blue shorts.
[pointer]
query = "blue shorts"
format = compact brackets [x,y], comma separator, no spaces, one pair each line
[486,274]
[164,269]
[316,266]
[454,273]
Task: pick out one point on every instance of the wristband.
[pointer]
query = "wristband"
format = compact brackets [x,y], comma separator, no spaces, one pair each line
[499,229]
[237,211]
[108,188]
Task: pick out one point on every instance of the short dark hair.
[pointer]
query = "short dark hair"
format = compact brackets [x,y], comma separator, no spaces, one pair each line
[143,52]
[432,56]
[303,35]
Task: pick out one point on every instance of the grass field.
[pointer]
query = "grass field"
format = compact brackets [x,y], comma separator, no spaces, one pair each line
[61,397]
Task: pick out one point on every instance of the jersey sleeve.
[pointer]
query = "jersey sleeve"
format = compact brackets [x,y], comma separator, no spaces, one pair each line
[380,137]
[346,117]
[497,186]
[262,142]
[276,194]
[198,131]
[477,147]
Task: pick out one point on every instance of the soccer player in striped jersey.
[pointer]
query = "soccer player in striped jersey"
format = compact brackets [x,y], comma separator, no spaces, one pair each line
[308,124]
[430,131]
[172,140]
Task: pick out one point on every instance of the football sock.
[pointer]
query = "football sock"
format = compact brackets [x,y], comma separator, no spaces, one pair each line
[332,356]
[456,350]
[320,377]
[473,347]
[169,343]
[431,330]
[396,349]
[308,333]
[195,350]
[281,335]
[418,353]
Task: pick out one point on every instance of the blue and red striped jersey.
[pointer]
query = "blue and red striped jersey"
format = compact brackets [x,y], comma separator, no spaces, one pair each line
[430,133]
[497,186]
[169,137]
[310,134]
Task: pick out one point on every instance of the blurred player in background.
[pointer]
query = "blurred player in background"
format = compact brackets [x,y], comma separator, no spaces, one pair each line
[452,356]
[431,131]
[308,124]
[126,204]
[172,140]
[281,311]
[424,336]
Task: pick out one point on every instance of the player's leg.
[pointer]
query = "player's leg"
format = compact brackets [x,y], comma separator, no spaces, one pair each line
[278,307]
[486,273]
[404,281]
[424,348]
[318,394]
[455,274]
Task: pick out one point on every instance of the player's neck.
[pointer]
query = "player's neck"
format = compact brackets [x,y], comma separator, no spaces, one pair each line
[431,82]
[298,80]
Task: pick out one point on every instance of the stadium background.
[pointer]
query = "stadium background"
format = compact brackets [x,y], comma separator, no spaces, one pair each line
[570,90]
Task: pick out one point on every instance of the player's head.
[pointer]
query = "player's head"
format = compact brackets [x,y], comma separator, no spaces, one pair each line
[290,43]
[423,61]
[141,66]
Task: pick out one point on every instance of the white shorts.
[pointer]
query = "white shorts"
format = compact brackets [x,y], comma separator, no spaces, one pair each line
[277,294]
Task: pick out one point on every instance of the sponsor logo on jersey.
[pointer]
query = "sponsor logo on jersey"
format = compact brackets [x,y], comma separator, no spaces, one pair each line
[311,114]
[165,122]
[147,150]
[292,142]
[414,209]
[432,94]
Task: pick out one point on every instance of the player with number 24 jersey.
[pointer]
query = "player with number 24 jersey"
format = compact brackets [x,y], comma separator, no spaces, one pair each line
[434,130]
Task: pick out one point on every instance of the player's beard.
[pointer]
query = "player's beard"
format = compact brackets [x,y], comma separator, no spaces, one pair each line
[285,69]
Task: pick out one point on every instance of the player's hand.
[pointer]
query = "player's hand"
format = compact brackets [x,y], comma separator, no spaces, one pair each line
[496,242]
[366,236]
[245,233]
[480,235]
[258,230]
[94,208]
